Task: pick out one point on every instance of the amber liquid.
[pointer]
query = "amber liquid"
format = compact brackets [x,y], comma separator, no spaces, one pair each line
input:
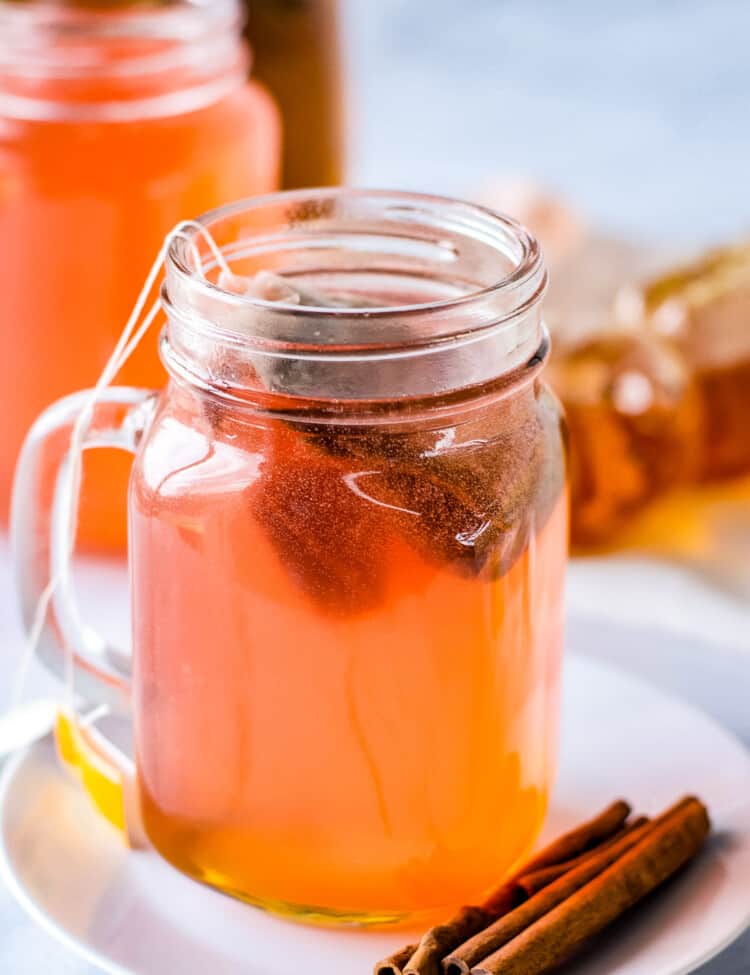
[84,208]
[645,476]
[346,697]
[700,519]
[657,408]
[296,53]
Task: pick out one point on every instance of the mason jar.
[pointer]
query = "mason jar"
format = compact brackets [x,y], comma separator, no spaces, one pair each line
[115,122]
[348,535]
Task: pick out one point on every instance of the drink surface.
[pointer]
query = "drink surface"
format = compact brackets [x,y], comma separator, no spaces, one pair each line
[347,646]
[84,208]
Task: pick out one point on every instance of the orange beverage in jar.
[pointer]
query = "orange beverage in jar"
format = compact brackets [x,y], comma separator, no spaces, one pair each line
[348,533]
[369,730]
[114,124]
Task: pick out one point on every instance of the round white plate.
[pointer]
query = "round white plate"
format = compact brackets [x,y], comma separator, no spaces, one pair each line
[132,914]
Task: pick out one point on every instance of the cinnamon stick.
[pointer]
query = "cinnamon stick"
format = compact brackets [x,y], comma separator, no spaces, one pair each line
[666,846]
[442,939]
[532,883]
[508,927]
[581,838]
[439,941]
[394,964]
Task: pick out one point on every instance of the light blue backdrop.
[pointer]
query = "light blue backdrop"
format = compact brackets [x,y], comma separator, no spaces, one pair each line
[639,110]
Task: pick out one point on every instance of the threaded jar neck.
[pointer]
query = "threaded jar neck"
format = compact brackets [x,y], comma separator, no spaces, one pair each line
[419,296]
[120,62]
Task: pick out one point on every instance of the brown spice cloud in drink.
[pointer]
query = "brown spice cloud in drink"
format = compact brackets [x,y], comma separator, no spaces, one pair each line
[469,497]
[472,506]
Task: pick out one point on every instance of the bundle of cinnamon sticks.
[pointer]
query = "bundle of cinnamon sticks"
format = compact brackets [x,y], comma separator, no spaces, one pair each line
[562,898]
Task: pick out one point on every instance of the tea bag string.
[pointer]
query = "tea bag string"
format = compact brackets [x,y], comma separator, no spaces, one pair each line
[136,327]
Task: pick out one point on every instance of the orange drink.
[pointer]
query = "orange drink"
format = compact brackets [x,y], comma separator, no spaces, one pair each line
[113,126]
[365,716]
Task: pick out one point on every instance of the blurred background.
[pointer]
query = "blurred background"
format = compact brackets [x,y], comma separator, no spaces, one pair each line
[636,112]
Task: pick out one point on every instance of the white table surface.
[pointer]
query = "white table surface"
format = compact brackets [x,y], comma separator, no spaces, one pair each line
[638,112]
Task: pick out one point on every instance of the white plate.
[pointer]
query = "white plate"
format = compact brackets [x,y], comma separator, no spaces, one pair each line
[131,914]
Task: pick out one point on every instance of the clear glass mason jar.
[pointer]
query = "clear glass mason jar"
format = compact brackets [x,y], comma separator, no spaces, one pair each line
[348,534]
[115,122]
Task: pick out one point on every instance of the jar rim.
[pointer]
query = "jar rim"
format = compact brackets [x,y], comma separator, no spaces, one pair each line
[529,267]
[449,295]
[86,63]
[183,20]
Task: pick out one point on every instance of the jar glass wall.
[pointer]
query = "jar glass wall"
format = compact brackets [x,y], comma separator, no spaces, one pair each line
[348,529]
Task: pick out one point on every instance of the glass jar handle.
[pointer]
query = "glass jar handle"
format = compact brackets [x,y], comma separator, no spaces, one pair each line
[40,536]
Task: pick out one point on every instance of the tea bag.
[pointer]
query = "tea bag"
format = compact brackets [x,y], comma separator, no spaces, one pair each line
[268,286]
[259,363]
[471,502]
[331,543]
[480,489]
[333,502]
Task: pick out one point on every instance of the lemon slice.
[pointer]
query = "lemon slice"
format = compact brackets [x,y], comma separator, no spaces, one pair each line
[106,773]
